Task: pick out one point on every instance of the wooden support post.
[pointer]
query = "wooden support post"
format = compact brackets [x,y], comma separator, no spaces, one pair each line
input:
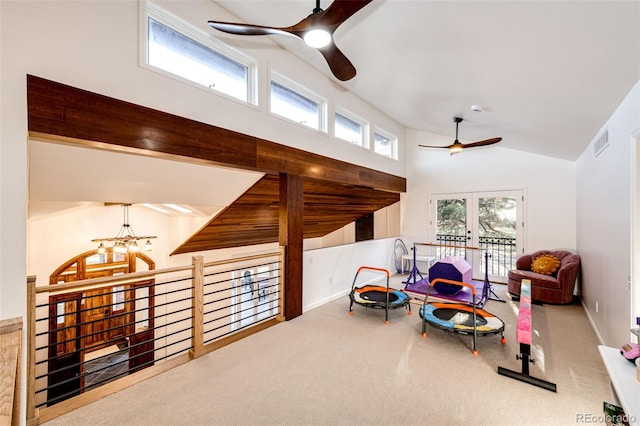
[197,308]
[291,234]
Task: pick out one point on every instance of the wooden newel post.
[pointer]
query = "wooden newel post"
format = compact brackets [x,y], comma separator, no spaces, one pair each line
[32,412]
[197,308]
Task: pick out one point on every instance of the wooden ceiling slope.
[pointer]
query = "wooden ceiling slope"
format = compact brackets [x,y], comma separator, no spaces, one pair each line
[335,192]
[253,217]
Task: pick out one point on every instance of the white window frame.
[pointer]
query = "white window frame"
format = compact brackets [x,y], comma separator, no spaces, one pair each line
[152,11]
[364,124]
[387,135]
[304,92]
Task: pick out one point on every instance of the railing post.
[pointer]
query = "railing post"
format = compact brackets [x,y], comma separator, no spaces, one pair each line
[281,286]
[197,308]
[31,351]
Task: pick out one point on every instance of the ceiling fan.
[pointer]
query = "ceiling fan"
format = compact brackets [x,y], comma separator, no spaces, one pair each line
[316,30]
[456,146]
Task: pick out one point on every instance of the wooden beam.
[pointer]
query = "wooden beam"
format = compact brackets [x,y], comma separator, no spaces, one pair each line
[291,218]
[67,114]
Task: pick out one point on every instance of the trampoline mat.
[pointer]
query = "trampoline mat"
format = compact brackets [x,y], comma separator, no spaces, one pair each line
[376,297]
[379,296]
[458,318]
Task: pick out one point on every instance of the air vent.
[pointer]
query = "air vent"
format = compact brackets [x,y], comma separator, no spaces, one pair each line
[600,143]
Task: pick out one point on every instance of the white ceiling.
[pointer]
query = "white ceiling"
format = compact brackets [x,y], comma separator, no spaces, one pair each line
[65,176]
[547,74]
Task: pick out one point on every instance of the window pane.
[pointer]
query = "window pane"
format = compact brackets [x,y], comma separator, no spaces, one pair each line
[118,298]
[384,145]
[180,55]
[348,129]
[294,106]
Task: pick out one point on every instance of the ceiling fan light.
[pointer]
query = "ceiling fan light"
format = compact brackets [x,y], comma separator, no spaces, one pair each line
[317,38]
[455,149]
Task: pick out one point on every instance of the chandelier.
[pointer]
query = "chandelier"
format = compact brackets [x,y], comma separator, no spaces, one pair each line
[126,240]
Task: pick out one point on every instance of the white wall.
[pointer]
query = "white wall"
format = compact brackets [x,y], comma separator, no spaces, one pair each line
[604,224]
[95,46]
[55,238]
[548,184]
[328,273]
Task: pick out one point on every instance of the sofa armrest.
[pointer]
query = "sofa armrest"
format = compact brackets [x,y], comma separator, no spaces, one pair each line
[568,271]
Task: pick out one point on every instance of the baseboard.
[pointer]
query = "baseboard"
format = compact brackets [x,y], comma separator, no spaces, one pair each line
[338,295]
[593,324]
[343,293]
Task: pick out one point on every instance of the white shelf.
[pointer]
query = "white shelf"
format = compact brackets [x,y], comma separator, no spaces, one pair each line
[622,374]
[408,258]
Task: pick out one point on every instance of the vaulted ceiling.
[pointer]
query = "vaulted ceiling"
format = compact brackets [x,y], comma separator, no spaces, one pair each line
[546,74]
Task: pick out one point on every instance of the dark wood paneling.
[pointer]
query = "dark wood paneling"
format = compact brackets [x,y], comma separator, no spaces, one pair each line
[60,112]
[291,235]
[253,217]
[78,115]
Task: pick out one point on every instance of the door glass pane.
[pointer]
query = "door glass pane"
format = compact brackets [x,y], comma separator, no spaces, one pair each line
[142,308]
[247,294]
[497,233]
[451,227]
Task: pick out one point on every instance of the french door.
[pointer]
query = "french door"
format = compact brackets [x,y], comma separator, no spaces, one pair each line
[486,228]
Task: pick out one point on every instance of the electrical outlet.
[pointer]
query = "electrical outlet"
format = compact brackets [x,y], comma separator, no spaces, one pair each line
[596,306]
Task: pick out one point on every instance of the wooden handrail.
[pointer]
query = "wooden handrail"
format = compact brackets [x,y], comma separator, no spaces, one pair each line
[136,276]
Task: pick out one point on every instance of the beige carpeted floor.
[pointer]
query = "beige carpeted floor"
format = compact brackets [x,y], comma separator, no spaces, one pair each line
[329,368]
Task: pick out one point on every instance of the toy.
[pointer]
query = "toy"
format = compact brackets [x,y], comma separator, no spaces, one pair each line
[630,351]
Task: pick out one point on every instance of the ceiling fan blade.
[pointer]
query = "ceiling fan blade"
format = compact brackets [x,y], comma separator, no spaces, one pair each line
[247,29]
[431,146]
[339,64]
[328,19]
[483,143]
[339,11]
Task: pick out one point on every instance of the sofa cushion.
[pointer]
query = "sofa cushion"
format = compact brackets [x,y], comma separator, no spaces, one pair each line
[546,264]
[539,280]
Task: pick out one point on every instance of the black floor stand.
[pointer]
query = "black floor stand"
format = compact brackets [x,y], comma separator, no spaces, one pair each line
[525,356]
[491,295]
[494,296]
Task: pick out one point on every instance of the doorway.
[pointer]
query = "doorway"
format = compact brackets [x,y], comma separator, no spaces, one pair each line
[474,224]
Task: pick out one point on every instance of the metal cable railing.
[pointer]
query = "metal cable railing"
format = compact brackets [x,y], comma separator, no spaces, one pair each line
[85,334]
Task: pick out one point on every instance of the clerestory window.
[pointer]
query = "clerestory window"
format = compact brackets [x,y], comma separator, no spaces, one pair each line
[182,51]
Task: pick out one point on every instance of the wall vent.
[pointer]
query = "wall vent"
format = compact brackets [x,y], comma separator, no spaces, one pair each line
[600,143]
